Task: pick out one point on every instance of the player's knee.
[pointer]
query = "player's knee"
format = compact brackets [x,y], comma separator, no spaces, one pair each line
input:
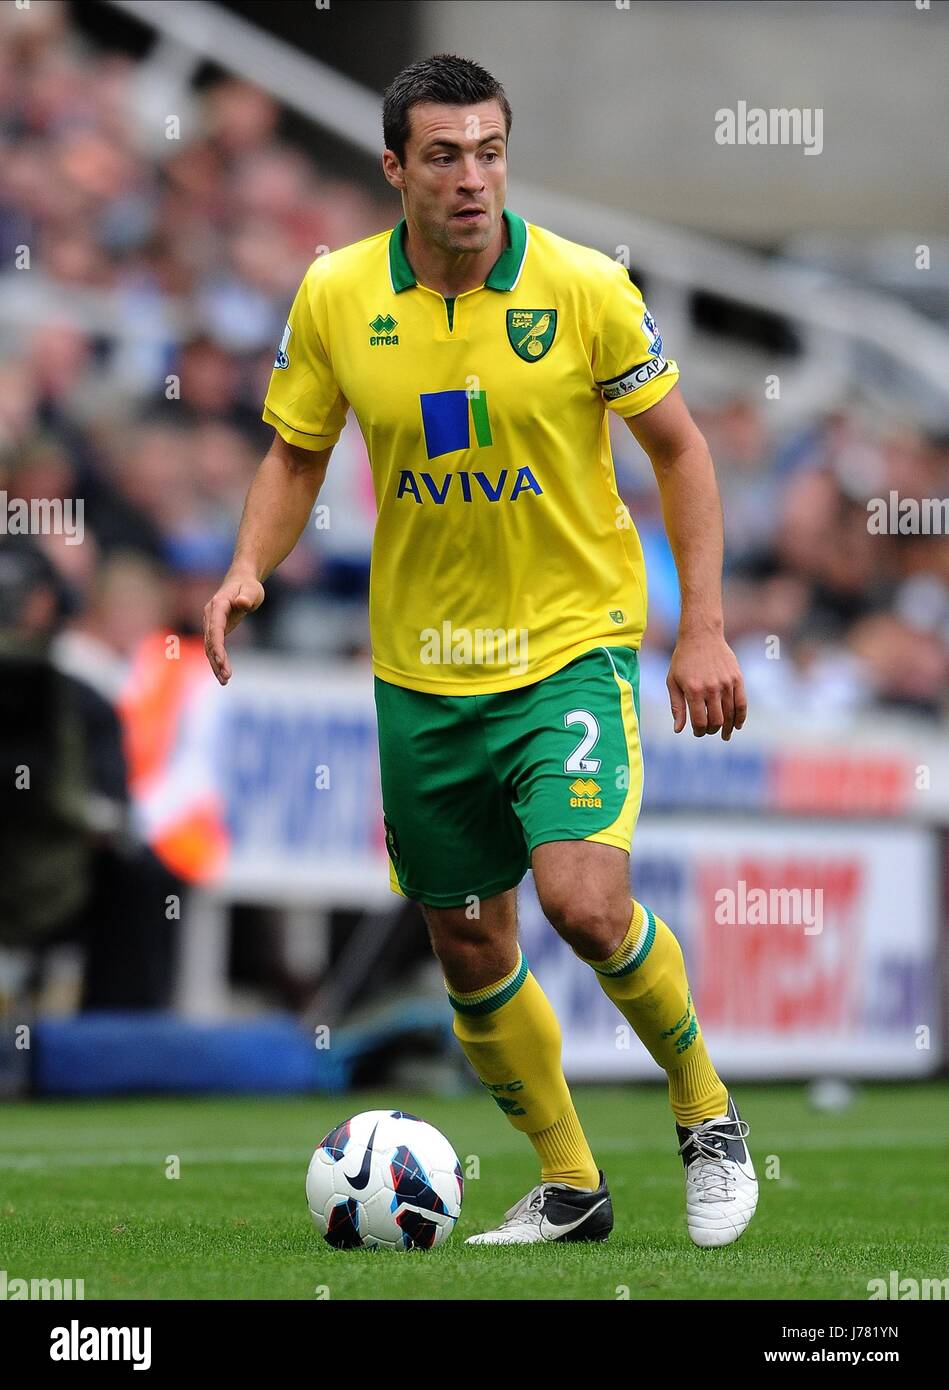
[465,944]
[592,925]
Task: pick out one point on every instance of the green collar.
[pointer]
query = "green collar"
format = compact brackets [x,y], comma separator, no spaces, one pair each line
[504,274]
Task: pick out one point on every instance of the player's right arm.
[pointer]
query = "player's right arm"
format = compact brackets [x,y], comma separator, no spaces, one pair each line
[276,510]
[307,410]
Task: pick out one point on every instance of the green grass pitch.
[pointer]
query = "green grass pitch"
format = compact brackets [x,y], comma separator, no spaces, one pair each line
[84,1194]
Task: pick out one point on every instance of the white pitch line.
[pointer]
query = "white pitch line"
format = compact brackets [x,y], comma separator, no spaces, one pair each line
[115,1158]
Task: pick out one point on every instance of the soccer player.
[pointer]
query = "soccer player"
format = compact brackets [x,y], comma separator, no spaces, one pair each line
[481,355]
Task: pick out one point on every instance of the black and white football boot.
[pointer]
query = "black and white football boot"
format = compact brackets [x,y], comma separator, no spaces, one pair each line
[721,1190]
[554,1211]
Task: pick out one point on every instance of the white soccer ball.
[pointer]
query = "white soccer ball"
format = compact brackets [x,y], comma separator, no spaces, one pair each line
[384,1178]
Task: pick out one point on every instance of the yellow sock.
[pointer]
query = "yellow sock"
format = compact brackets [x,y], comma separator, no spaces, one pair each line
[646,980]
[511,1037]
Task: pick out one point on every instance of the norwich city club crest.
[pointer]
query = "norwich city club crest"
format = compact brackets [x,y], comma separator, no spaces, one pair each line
[531,332]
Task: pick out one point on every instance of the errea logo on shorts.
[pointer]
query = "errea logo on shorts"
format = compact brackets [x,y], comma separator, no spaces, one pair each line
[585,792]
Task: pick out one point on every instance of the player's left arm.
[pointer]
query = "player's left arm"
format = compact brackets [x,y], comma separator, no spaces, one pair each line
[704,676]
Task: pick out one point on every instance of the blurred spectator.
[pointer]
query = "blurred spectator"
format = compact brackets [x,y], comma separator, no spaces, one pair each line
[73,870]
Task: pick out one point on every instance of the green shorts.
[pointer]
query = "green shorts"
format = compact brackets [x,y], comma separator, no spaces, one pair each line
[471,784]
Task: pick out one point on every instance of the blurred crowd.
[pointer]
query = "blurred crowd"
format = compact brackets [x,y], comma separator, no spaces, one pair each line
[828,617]
[194,245]
[194,248]
[151,240]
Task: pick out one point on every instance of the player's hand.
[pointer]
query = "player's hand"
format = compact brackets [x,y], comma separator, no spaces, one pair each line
[705,680]
[237,596]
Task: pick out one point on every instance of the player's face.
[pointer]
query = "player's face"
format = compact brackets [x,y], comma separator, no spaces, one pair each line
[454,180]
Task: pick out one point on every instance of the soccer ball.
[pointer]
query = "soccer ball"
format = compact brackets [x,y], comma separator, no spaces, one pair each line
[384,1178]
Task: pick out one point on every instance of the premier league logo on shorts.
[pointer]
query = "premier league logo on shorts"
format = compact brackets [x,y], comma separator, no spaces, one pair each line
[531,332]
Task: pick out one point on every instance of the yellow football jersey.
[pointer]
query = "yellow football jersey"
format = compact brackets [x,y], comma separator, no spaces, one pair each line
[502,549]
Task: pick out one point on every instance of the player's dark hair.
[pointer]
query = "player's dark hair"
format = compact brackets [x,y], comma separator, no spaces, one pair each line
[444,78]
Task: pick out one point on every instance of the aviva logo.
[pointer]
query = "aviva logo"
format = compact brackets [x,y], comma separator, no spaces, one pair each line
[521,481]
[448,418]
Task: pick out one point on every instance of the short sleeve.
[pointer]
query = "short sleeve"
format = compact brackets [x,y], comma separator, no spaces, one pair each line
[627,355]
[303,402]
